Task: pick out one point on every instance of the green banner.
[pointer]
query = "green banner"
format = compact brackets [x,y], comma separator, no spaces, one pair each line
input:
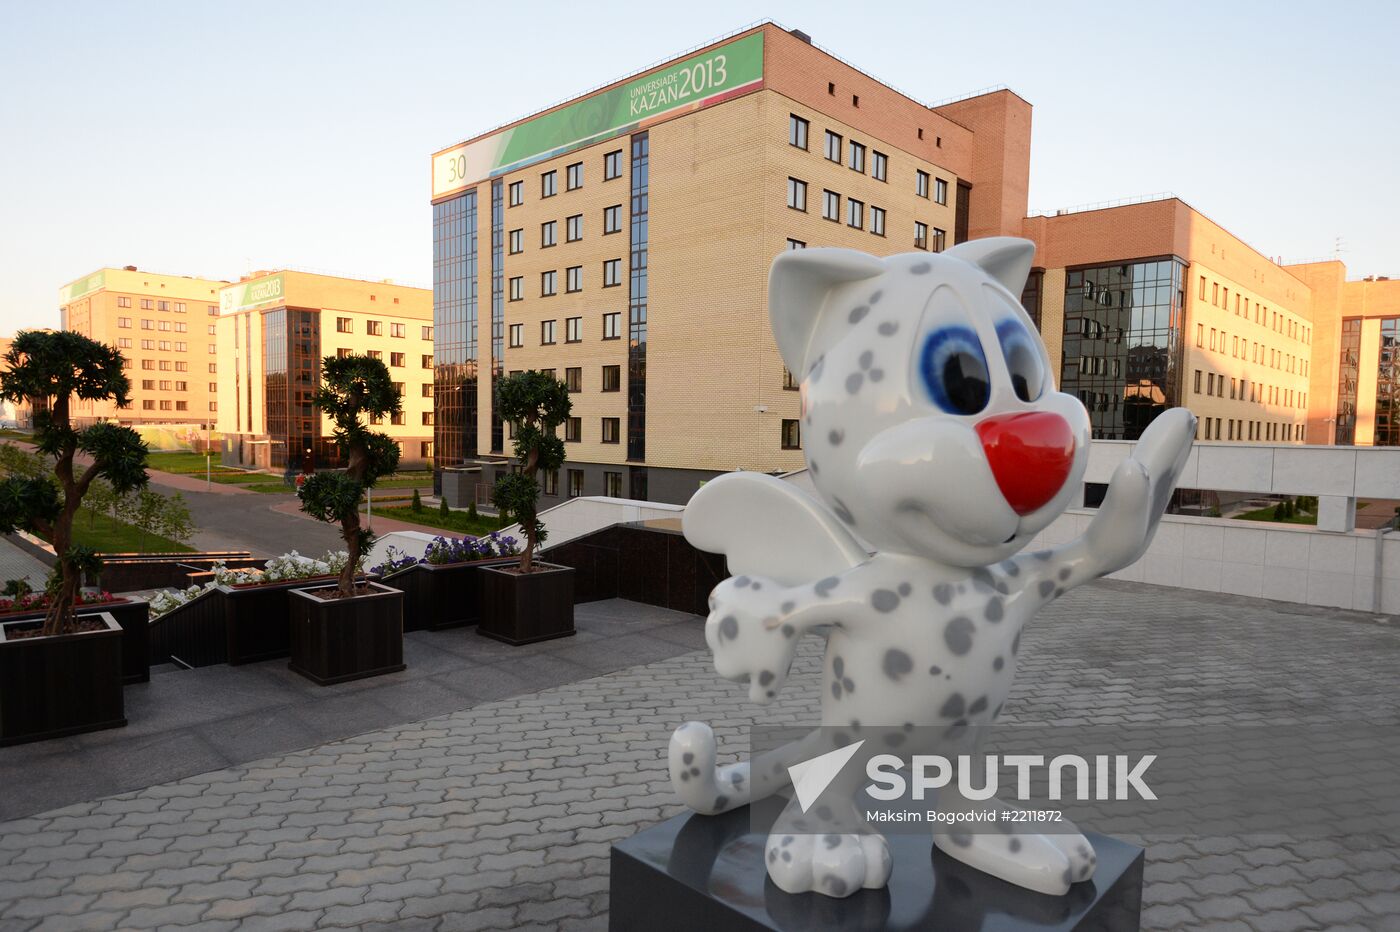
[699,81]
[240,297]
[83,286]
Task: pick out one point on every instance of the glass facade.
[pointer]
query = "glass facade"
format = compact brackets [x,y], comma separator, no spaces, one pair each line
[1030,295]
[637,311]
[498,308]
[292,360]
[1123,343]
[1348,373]
[1388,385]
[454,333]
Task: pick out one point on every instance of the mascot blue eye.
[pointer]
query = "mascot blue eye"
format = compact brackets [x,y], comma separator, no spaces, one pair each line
[954,370]
[1022,360]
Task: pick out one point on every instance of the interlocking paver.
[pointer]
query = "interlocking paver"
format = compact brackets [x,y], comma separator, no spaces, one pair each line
[502,815]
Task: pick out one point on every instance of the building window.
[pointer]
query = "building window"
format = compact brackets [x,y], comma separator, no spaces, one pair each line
[573,379]
[575,483]
[612,165]
[342,325]
[573,278]
[612,326]
[855,213]
[877,221]
[833,147]
[573,330]
[549,184]
[551,482]
[397,330]
[796,244]
[547,332]
[517,241]
[797,131]
[517,335]
[374,328]
[790,383]
[548,233]
[573,177]
[123,302]
[920,235]
[427,333]
[612,429]
[797,194]
[147,324]
[879,166]
[517,288]
[857,162]
[792,435]
[396,360]
[573,430]
[398,418]
[213,310]
[427,419]
[612,219]
[124,323]
[427,389]
[831,206]
[427,362]
[549,283]
[147,304]
[573,228]
[612,273]
[375,354]
[517,193]
[612,378]
[163,305]
[940,191]
[921,183]
[939,240]
[612,484]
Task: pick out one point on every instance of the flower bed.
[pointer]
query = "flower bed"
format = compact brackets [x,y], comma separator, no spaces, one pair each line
[39,602]
[442,588]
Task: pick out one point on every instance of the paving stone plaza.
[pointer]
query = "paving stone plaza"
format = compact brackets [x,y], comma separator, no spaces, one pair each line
[500,816]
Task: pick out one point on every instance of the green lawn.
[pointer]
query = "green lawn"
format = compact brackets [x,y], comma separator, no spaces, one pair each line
[106,535]
[456,521]
[1267,514]
[11,434]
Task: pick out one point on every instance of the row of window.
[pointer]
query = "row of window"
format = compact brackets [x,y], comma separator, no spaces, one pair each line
[150,304]
[179,326]
[573,230]
[853,155]
[396,360]
[1209,428]
[573,330]
[612,483]
[1263,316]
[375,328]
[573,178]
[1242,348]
[1245,390]
[856,215]
[151,404]
[166,365]
[149,385]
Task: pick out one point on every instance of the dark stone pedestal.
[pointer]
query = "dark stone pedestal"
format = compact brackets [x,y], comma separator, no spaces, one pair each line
[698,873]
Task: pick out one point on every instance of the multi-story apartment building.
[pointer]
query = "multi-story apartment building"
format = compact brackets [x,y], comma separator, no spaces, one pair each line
[1152,305]
[164,326]
[273,330]
[622,240]
[1355,370]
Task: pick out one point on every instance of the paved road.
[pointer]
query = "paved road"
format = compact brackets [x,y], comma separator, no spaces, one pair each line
[501,816]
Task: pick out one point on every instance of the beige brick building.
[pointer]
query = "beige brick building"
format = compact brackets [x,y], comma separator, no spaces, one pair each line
[274,328]
[623,240]
[163,325]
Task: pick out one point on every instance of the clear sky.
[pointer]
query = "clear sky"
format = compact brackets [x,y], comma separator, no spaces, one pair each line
[216,138]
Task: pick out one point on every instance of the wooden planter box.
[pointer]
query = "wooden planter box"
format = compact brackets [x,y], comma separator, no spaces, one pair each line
[522,609]
[62,685]
[446,595]
[256,619]
[336,640]
[134,618]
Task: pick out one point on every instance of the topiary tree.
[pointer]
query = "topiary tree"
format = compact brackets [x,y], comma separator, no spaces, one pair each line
[352,389]
[536,404]
[417,505]
[49,369]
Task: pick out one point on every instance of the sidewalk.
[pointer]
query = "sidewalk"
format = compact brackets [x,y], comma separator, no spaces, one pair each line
[17,564]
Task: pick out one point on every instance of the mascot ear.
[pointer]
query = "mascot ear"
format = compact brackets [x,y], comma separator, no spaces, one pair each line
[1005,258]
[798,285]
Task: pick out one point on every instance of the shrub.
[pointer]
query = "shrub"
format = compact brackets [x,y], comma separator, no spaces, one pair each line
[417,505]
[471,511]
[1280,512]
[537,403]
[352,389]
[50,369]
[443,510]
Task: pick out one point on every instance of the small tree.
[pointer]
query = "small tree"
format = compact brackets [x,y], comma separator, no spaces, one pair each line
[352,388]
[50,369]
[536,404]
[417,502]
[444,512]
